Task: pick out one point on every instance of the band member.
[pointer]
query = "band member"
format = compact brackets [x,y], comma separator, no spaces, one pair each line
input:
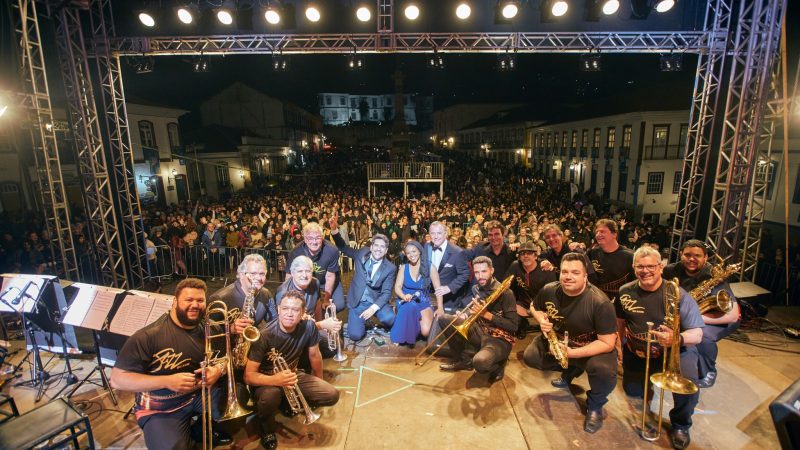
[326,264]
[529,279]
[612,263]
[371,286]
[494,248]
[291,336]
[642,301]
[550,259]
[302,280]
[573,306]
[692,270]
[492,333]
[161,363]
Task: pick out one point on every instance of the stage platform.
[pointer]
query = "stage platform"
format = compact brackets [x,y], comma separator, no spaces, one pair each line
[387,402]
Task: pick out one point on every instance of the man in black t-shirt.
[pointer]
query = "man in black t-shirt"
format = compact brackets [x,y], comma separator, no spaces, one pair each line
[291,336]
[502,257]
[692,270]
[529,279]
[612,263]
[492,333]
[572,305]
[325,257]
[643,301]
[161,363]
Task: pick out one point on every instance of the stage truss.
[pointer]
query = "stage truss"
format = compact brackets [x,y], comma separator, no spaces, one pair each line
[727,115]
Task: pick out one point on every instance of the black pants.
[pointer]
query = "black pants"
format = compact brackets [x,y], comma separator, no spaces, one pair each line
[174,431]
[492,353]
[633,383]
[601,370]
[317,392]
[707,348]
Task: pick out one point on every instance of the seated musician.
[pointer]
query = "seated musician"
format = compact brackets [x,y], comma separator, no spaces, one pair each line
[291,336]
[161,363]
[529,278]
[692,270]
[573,306]
[643,301]
[492,333]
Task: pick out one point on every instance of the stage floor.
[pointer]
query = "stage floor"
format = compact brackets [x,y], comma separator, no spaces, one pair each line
[387,402]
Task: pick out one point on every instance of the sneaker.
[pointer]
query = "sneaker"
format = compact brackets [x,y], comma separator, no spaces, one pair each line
[269,441]
[456,366]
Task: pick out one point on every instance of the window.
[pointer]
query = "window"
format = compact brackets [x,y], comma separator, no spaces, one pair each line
[683,134]
[223,175]
[611,140]
[174,136]
[146,135]
[374,102]
[584,138]
[626,136]
[768,177]
[596,138]
[564,139]
[328,100]
[676,182]
[549,140]
[353,103]
[574,138]
[655,182]
[342,101]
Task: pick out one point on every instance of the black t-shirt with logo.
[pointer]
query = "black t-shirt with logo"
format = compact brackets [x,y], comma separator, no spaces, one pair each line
[290,345]
[611,270]
[326,260]
[526,285]
[584,316]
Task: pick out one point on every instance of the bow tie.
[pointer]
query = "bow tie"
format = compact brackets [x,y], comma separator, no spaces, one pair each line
[437,249]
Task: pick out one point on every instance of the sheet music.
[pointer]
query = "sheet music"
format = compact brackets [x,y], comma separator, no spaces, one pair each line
[91,306]
[132,315]
[160,306]
[80,305]
[103,301]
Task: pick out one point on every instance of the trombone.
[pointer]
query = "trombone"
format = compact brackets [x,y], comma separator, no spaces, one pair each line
[462,329]
[670,379]
[233,409]
[334,342]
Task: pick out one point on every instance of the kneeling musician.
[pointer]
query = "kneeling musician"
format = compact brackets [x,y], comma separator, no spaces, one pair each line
[288,337]
[575,311]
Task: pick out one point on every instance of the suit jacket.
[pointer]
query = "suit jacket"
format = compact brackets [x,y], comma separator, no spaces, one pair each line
[453,270]
[379,289]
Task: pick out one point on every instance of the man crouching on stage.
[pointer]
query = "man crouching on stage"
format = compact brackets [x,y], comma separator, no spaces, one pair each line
[161,363]
[492,334]
[290,336]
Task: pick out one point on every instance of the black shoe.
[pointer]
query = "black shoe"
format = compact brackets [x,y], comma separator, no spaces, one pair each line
[455,366]
[561,382]
[269,441]
[708,380]
[498,374]
[593,421]
[221,438]
[522,329]
[287,411]
[680,438]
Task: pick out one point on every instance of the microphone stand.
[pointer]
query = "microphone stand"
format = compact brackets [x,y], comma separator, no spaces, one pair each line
[38,374]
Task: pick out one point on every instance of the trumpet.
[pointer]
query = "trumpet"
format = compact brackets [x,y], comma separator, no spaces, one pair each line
[233,409]
[670,379]
[334,343]
[293,393]
[463,329]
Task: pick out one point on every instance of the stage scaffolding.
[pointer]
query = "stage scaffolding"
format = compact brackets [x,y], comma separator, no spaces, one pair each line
[737,55]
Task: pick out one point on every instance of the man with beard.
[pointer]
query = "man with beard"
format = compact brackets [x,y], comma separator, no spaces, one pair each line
[573,306]
[492,334]
[325,258]
[495,248]
[161,363]
[529,279]
[643,301]
[291,336]
[692,270]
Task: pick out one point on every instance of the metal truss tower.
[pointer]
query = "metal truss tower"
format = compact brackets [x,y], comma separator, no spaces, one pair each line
[95,175]
[55,206]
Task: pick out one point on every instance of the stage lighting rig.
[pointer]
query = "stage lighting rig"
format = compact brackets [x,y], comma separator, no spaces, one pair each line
[200,64]
[506,62]
[663,6]
[509,10]
[280,63]
[312,13]
[147,19]
[411,12]
[610,7]
[671,63]
[187,13]
[363,13]
[590,62]
[225,15]
[436,61]
[463,10]
[272,16]
[598,8]
[144,64]
[549,10]
[355,62]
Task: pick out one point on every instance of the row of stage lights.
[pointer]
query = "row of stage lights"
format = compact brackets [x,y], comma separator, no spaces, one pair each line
[508,9]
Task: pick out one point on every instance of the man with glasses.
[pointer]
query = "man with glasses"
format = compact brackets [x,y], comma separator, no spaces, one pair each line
[326,265]
[642,301]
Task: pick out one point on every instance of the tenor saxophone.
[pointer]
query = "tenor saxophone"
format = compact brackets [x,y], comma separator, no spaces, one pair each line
[721,301]
[249,334]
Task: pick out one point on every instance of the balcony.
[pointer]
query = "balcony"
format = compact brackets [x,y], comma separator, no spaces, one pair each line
[661,152]
[400,171]
[608,153]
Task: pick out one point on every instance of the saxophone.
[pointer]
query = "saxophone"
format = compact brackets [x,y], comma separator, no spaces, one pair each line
[721,302]
[555,347]
[249,334]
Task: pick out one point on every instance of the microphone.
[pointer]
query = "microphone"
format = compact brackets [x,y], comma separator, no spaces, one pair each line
[21,294]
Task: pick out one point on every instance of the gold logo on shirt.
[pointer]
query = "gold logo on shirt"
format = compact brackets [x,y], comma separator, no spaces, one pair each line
[521,283]
[552,312]
[317,268]
[167,359]
[628,304]
[597,267]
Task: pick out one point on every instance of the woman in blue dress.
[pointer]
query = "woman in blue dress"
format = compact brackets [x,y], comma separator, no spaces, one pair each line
[412,288]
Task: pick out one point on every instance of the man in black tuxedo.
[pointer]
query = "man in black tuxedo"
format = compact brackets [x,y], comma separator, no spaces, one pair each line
[450,263]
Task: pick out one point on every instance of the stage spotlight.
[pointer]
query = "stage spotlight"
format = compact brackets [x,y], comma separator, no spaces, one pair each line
[412,12]
[355,62]
[144,65]
[463,11]
[610,7]
[187,13]
[559,8]
[312,14]
[147,19]
[590,62]
[363,14]
[272,16]
[225,16]
[664,5]
[671,63]
[506,62]
[280,63]
[510,10]
[200,64]
[436,60]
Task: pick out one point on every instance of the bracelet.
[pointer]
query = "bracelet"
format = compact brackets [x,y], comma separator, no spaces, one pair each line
[681,339]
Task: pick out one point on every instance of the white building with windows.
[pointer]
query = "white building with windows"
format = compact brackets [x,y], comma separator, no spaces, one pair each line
[341,109]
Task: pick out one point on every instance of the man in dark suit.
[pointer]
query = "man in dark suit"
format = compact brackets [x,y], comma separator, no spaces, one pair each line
[371,286]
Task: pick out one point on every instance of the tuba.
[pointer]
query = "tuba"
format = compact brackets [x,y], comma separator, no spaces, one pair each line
[249,334]
[670,379]
[334,342]
[721,302]
[233,409]
[297,402]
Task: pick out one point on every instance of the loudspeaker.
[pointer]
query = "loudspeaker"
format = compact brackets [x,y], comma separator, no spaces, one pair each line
[785,411]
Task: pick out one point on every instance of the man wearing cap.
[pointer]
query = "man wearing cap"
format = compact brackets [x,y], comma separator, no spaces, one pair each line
[529,278]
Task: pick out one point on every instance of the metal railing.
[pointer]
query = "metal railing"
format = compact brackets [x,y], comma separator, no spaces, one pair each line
[658,152]
[376,171]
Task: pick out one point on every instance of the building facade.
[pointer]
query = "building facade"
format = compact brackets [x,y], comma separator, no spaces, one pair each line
[339,109]
[448,121]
